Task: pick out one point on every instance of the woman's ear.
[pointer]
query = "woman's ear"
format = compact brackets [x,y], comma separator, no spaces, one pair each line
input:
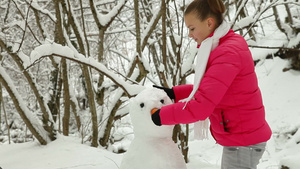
[211,23]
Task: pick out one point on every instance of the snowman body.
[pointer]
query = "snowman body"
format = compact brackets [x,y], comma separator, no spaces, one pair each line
[152,146]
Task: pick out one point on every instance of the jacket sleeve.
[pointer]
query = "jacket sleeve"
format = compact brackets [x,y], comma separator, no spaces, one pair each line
[182,92]
[221,71]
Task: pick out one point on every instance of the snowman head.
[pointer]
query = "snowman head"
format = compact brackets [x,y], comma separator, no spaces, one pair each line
[140,112]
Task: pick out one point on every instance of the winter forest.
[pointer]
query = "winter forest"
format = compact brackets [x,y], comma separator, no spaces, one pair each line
[69,67]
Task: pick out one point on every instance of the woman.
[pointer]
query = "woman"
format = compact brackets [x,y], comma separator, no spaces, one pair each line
[225,89]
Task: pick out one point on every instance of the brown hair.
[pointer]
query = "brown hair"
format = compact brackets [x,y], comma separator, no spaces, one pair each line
[207,8]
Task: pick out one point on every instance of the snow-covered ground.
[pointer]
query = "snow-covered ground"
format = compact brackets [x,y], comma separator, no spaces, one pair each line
[281,96]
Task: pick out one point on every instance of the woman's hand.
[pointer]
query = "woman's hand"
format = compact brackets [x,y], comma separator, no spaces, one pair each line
[170,92]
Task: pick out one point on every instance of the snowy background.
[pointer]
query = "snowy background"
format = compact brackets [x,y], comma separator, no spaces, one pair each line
[280,90]
[281,98]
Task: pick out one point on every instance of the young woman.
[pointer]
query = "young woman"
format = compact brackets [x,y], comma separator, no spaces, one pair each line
[225,89]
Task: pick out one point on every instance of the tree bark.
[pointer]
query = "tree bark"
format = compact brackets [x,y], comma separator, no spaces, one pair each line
[66,96]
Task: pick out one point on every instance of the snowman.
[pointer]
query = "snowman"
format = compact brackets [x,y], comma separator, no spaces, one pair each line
[152,146]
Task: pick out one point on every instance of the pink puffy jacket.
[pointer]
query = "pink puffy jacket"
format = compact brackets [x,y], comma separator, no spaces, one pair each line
[228,94]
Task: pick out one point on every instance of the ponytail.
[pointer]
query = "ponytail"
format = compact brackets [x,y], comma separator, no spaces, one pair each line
[207,8]
[216,6]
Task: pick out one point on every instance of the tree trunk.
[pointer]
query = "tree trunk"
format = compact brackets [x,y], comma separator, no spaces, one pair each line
[5,115]
[55,90]
[105,138]
[66,94]
[91,100]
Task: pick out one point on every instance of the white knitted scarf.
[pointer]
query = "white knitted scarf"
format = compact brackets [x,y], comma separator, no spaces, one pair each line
[208,45]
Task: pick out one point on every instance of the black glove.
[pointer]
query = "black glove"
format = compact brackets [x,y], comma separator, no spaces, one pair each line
[170,92]
[155,117]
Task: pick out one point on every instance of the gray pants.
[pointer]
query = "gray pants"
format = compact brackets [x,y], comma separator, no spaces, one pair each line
[242,157]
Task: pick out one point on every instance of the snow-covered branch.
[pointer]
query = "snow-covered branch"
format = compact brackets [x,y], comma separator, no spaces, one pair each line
[57,50]
[30,119]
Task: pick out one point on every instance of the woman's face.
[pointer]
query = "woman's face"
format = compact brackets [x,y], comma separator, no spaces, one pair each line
[198,30]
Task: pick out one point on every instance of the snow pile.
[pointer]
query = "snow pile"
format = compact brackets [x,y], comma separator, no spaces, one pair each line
[152,146]
[291,152]
[281,93]
[65,152]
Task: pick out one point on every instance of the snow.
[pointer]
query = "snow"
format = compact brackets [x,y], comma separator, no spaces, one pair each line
[58,50]
[280,92]
[281,98]
[152,146]
[243,23]
[294,41]
[139,109]
[105,19]
[151,141]
[36,6]
[147,30]
[291,153]
[29,115]
[65,152]
[188,62]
